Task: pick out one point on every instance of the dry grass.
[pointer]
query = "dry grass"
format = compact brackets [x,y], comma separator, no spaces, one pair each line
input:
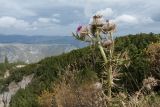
[140,100]
[70,93]
[45,99]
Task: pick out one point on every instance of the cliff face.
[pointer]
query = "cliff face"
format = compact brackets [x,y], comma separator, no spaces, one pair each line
[13,87]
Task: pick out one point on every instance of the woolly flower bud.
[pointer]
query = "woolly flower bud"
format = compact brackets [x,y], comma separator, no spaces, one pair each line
[108,27]
[106,43]
[83,31]
[97,20]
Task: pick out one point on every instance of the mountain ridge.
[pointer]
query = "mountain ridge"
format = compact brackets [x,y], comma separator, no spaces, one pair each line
[19,47]
[39,39]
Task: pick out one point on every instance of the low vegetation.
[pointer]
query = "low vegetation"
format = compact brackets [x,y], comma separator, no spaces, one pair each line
[49,75]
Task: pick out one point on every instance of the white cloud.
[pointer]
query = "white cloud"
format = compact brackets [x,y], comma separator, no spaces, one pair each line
[14,23]
[54,20]
[11,22]
[123,18]
[7,21]
[56,15]
[105,12]
[88,10]
[44,20]
[126,19]
[50,16]
[48,20]
[129,19]
[14,8]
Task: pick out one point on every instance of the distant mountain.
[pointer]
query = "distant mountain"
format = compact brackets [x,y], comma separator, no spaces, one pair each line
[40,40]
[30,53]
[34,48]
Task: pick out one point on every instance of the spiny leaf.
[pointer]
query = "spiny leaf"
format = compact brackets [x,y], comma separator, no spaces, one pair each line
[78,37]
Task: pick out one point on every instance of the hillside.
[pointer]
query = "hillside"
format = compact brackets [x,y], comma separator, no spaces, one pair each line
[31,49]
[88,62]
[31,53]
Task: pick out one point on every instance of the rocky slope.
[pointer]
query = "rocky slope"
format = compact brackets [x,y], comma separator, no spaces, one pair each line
[13,87]
[31,49]
[30,53]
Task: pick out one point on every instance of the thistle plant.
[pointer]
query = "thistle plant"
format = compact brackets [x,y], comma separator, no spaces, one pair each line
[100,33]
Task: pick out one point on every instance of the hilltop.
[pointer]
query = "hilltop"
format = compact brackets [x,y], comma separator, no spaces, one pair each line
[88,61]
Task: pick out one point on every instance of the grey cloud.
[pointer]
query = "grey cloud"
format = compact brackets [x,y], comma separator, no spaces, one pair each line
[63,16]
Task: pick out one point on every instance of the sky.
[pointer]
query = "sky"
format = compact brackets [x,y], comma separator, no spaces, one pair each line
[61,17]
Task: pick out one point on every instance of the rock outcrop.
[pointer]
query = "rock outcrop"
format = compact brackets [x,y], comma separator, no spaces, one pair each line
[13,87]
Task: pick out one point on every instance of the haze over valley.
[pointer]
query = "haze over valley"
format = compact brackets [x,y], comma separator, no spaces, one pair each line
[31,49]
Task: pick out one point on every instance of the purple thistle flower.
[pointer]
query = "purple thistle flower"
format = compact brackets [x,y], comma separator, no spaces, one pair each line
[82,31]
[79,28]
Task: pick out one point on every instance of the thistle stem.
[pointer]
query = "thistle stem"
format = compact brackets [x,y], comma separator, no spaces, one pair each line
[109,71]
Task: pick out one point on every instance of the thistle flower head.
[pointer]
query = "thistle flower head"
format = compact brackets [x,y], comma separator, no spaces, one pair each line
[97,20]
[106,43]
[108,27]
[83,31]
[79,28]
[96,27]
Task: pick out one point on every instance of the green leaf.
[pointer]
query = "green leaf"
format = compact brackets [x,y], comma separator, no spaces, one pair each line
[78,37]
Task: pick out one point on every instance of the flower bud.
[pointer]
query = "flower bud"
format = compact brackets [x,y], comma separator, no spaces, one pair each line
[108,27]
[106,43]
[97,21]
[83,31]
